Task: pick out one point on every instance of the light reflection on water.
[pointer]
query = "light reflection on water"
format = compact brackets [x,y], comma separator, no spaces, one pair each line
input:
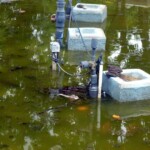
[67,126]
[28,143]
[134,48]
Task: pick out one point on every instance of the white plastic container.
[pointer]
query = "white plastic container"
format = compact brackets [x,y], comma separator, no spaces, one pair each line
[76,42]
[89,12]
[55,47]
[123,91]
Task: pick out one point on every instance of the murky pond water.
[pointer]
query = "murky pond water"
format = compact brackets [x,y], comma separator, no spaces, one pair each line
[33,119]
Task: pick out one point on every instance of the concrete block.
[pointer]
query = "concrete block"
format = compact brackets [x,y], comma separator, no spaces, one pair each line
[89,12]
[75,42]
[133,90]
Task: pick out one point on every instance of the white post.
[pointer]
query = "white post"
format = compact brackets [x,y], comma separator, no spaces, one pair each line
[54,65]
[98,114]
[100,80]
[99,94]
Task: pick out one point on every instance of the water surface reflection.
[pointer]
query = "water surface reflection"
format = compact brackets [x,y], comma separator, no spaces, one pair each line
[33,120]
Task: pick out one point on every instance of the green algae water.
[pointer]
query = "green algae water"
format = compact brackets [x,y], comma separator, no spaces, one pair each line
[31,119]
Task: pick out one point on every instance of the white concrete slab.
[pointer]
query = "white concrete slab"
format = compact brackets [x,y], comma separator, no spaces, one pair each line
[86,12]
[75,42]
[124,91]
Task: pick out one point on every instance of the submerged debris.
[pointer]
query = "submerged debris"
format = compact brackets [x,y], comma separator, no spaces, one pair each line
[82,108]
[20,11]
[15,68]
[54,109]
[33,126]
[65,91]
[3,146]
[128,78]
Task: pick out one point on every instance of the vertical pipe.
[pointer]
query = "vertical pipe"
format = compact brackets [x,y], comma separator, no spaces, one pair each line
[60,21]
[100,80]
[93,88]
[98,115]
[55,49]
[68,9]
[94,44]
[54,65]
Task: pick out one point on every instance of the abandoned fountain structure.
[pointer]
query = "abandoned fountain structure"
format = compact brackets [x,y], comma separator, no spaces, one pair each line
[93,38]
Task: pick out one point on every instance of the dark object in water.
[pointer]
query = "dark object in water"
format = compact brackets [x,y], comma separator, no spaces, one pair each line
[31,77]
[54,109]
[3,146]
[65,90]
[81,6]
[73,90]
[113,71]
[73,93]
[17,68]
[9,83]
[53,18]
[33,126]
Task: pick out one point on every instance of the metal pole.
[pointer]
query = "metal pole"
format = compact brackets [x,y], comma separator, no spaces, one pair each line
[60,21]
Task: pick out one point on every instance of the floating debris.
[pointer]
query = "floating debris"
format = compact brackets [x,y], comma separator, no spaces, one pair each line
[81,91]
[53,18]
[116,117]
[73,97]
